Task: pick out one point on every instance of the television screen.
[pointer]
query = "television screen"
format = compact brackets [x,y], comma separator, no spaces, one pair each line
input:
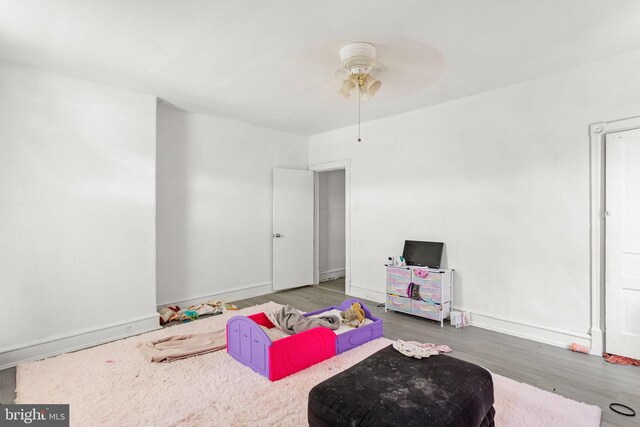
[423,254]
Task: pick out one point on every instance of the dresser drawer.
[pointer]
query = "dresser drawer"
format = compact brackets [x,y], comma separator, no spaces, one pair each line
[424,309]
[400,289]
[400,275]
[427,293]
[399,303]
[432,279]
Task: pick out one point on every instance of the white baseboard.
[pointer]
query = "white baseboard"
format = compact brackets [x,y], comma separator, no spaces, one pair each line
[41,349]
[544,334]
[332,275]
[227,295]
[364,293]
[597,340]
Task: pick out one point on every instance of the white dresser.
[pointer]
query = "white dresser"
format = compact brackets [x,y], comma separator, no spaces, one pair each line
[420,291]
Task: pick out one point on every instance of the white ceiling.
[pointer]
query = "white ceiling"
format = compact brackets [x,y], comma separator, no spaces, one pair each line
[271,63]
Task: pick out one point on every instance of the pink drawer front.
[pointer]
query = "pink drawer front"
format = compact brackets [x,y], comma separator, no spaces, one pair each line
[432,279]
[400,275]
[400,289]
[429,294]
[399,303]
[424,309]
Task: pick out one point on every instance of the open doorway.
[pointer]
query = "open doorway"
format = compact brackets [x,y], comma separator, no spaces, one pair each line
[332,224]
[331,230]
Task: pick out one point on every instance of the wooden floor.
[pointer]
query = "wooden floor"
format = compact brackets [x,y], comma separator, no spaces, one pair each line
[333,285]
[577,376]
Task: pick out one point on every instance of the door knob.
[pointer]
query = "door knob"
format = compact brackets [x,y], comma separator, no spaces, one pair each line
[277,235]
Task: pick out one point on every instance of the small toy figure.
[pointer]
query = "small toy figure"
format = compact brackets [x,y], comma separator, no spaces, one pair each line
[188,315]
[353,316]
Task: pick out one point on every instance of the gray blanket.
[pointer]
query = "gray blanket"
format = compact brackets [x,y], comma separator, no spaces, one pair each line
[292,322]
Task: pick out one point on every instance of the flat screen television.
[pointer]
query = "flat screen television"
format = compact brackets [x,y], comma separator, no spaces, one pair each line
[423,254]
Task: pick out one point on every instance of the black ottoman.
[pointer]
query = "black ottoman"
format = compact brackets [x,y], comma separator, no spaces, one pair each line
[389,388]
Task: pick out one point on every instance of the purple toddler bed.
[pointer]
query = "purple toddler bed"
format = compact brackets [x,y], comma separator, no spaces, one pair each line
[251,346]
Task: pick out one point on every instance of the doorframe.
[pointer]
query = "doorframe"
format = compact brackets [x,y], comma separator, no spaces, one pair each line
[597,134]
[326,167]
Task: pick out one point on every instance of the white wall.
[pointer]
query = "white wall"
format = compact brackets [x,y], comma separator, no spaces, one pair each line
[331,214]
[503,178]
[214,205]
[76,212]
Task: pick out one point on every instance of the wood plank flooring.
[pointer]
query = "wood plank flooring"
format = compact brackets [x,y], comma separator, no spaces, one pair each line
[336,285]
[577,376]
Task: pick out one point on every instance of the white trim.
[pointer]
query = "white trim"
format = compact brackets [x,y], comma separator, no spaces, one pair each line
[331,274]
[368,294]
[326,167]
[316,229]
[597,133]
[40,349]
[227,295]
[545,334]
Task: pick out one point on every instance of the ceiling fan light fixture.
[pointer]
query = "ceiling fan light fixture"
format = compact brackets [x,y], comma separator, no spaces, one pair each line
[372,85]
[358,60]
[347,88]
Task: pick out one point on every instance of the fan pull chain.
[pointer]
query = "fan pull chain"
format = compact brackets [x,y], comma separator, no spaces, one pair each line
[359,90]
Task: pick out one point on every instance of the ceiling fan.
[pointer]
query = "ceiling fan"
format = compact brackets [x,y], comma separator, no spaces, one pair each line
[358,69]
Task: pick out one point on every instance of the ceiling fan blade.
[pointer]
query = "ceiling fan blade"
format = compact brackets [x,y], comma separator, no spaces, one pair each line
[374,68]
[341,73]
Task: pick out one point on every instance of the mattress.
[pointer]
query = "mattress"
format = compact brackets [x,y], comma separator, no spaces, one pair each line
[343,327]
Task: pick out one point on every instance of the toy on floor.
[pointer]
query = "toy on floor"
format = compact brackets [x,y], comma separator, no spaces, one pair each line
[354,315]
[579,348]
[188,315]
[166,313]
[212,308]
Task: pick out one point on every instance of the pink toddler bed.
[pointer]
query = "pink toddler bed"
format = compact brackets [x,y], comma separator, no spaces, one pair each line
[250,345]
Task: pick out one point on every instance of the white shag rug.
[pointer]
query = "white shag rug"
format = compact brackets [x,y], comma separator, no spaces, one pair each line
[112,385]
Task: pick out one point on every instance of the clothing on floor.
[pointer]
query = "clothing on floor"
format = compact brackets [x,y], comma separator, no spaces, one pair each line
[420,350]
[177,347]
[292,322]
[620,360]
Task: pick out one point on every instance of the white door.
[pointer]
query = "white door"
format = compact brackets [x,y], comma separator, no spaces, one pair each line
[292,228]
[622,276]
